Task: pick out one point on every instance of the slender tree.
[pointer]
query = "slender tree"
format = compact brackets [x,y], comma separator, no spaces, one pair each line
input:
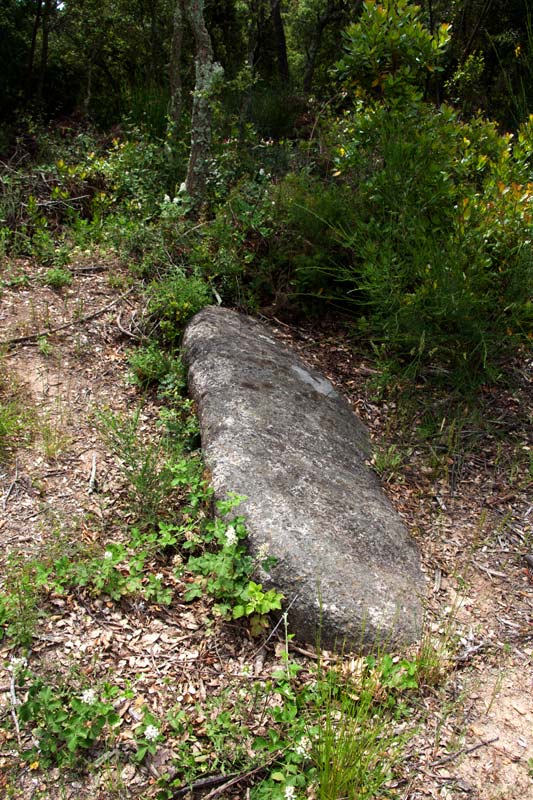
[207,72]
[46,19]
[281,42]
[326,14]
[35,32]
[175,64]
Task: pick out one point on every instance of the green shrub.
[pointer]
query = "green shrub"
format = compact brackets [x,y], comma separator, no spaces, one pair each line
[390,52]
[58,278]
[144,463]
[173,301]
[439,230]
[149,365]
[11,425]
[16,419]
[441,254]
[308,249]
[229,251]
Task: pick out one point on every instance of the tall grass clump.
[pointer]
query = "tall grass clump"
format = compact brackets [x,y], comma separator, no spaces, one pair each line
[16,419]
[356,746]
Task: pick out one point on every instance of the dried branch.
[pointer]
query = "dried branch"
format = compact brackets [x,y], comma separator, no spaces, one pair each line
[14,703]
[463,751]
[123,330]
[92,478]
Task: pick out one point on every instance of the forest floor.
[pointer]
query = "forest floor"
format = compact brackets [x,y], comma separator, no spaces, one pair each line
[465,500]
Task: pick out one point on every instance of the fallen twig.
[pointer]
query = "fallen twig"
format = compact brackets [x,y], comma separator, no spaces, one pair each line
[463,751]
[92,477]
[33,337]
[238,779]
[471,651]
[123,330]
[205,783]
[14,703]
[89,269]
[219,783]
[59,202]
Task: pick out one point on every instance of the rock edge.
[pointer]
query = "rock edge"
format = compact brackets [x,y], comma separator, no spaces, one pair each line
[276,432]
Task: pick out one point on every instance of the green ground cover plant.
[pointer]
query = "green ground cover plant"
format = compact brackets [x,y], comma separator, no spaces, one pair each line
[214,550]
[332,731]
[58,278]
[64,724]
[374,201]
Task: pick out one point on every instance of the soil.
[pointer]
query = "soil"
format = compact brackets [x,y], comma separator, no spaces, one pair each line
[465,500]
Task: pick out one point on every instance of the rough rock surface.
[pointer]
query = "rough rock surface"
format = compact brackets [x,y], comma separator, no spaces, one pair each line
[278,433]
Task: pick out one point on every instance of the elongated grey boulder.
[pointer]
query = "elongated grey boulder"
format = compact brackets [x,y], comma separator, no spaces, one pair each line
[277,432]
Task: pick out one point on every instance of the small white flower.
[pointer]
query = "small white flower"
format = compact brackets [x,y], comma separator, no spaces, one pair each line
[261,171]
[88,697]
[151,733]
[262,552]
[231,536]
[183,188]
[108,554]
[303,747]
[17,663]
[290,793]
[166,199]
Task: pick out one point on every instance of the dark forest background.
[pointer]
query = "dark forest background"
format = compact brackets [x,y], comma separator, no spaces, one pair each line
[301,158]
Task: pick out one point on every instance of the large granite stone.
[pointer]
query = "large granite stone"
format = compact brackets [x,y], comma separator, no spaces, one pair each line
[278,433]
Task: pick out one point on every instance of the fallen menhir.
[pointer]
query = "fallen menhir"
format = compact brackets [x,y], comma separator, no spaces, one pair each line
[277,433]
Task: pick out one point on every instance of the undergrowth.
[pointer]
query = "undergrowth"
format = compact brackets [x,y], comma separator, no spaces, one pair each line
[336,729]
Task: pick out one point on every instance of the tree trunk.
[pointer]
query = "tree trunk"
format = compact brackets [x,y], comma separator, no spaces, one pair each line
[36,25]
[281,43]
[175,65]
[154,42]
[332,12]
[206,72]
[47,10]
[311,56]
[88,88]
[252,42]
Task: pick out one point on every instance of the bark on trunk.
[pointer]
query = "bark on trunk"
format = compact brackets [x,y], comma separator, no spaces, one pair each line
[44,49]
[36,25]
[88,89]
[175,65]
[253,37]
[281,43]
[206,72]
[154,42]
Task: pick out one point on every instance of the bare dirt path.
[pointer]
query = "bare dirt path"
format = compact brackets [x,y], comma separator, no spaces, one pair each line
[61,379]
[470,512]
